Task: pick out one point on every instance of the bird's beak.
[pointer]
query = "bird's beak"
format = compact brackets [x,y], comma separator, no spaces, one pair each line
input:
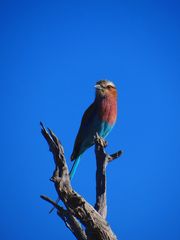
[97,86]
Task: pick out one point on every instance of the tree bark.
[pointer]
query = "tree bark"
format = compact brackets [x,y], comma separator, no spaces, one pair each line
[78,211]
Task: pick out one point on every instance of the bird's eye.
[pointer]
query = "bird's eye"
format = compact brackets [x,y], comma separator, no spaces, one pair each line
[109,86]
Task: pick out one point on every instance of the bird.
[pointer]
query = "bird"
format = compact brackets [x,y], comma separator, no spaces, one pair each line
[100,117]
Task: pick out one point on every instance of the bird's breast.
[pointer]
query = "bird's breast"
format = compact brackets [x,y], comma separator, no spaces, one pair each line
[107,110]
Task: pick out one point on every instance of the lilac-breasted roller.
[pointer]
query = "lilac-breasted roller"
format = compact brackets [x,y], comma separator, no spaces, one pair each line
[99,118]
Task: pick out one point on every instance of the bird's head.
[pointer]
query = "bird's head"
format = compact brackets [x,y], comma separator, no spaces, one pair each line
[105,88]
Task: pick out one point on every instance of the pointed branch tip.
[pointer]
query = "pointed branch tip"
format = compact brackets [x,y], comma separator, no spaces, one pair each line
[115,155]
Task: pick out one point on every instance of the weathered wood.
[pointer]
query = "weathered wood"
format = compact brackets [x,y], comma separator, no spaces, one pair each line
[102,159]
[70,221]
[78,211]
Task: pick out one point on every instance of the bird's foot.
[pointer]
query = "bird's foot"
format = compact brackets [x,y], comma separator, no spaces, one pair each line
[101,141]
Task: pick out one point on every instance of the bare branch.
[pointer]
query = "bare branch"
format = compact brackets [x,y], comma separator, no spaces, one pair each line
[78,209]
[102,159]
[115,156]
[69,220]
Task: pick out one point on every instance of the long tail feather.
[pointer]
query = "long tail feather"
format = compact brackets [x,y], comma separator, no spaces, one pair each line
[74,167]
[71,175]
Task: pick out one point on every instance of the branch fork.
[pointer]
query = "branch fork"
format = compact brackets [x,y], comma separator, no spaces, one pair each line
[78,211]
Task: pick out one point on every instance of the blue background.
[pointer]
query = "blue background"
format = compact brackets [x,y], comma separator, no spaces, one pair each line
[52,53]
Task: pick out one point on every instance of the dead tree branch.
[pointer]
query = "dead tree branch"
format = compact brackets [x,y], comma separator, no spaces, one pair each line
[102,159]
[70,221]
[78,211]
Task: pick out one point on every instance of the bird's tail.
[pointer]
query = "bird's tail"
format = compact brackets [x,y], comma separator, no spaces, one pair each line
[74,167]
[71,175]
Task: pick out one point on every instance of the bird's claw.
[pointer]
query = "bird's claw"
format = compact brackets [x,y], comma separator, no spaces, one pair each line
[101,141]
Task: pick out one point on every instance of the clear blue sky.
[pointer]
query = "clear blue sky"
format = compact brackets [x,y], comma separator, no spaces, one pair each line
[52,53]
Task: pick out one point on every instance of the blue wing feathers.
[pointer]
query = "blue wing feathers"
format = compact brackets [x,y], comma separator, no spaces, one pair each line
[90,124]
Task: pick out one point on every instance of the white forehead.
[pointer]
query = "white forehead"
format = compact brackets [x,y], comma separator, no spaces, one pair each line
[109,83]
[105,83]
